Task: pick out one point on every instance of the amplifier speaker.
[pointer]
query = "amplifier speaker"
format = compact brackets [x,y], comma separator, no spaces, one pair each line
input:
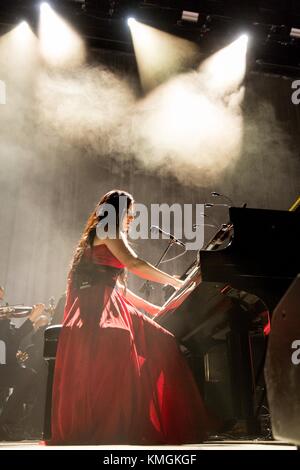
[282,367]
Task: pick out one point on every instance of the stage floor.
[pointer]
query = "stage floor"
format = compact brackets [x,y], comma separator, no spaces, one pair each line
[211,445]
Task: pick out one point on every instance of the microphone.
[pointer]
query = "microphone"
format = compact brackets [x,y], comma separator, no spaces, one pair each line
[156,229]
[209,204]
[216,194]
[205,225]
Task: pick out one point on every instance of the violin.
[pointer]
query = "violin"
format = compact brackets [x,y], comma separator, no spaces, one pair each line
[15,311]
[22,311]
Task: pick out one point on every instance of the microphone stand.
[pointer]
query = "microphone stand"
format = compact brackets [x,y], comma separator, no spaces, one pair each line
[147,287]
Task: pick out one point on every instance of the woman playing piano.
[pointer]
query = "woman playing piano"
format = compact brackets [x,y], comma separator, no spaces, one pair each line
[119,377]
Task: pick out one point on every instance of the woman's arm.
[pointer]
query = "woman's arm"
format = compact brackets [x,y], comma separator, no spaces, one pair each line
[124,253]
[138,301]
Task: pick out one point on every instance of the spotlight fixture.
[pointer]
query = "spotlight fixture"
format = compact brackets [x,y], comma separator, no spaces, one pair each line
[131,21]
[44,6]
[295,33]
[244,38]
[23,25]
[190,16]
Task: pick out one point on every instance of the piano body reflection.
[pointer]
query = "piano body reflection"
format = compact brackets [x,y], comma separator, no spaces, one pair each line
[221,315]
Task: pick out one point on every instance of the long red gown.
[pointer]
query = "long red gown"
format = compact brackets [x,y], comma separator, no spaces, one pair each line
[119,377]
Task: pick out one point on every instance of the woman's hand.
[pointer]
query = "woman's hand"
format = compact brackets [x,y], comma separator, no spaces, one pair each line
[177,283]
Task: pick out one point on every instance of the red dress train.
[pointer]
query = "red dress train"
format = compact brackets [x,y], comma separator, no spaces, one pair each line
[119,377]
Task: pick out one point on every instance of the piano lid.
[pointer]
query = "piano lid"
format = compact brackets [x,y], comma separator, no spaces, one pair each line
[263,255]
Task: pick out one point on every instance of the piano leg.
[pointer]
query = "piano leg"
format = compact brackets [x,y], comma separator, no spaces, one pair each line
[242,378]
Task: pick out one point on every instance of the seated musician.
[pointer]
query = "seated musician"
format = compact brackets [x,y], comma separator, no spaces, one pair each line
[13,375]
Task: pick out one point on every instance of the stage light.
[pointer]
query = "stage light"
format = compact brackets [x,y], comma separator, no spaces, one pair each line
[131,21]
[183,120]
[159,54]
[244,38]
[19,53]
[60,45]
[190,16]
[22,30]
[225,70]
[44,7]
[295,33]
[23,26]
[22,38]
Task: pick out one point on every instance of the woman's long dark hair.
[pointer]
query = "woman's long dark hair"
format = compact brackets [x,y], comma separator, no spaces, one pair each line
[89,232]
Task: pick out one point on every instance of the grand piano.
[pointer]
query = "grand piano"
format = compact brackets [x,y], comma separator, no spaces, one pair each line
[221,315]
